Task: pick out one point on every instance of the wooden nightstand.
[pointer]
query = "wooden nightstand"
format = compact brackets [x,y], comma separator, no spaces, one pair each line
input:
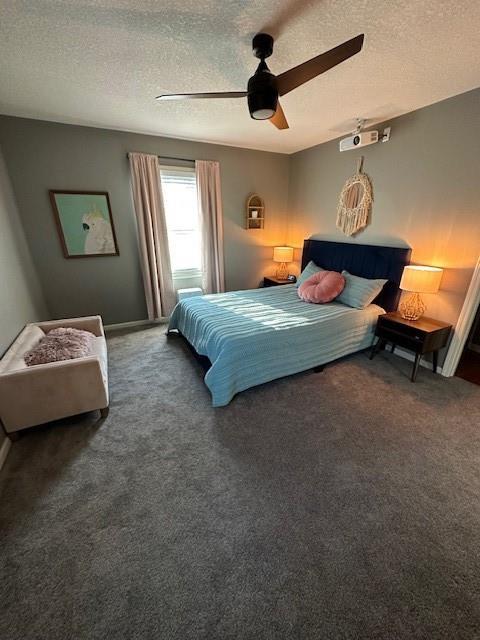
[271,281]
[420,336]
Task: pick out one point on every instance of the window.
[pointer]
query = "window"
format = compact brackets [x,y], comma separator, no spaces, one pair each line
[179,190]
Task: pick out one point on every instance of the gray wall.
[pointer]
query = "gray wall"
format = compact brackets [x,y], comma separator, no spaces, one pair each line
[21,299]
[43,155]
[426,184]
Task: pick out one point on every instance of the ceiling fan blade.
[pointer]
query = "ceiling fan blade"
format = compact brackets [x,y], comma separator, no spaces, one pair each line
[293,78]
[278,118]
[193,96]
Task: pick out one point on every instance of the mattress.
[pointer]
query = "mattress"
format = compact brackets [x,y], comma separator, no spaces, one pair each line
[258,335]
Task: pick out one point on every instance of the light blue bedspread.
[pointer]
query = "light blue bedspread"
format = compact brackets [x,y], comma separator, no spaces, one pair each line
[258,335]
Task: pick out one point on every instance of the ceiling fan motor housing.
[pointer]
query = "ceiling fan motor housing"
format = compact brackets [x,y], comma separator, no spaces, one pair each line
[262,93]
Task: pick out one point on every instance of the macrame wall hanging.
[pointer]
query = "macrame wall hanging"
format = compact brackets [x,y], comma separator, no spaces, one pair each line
[355,202]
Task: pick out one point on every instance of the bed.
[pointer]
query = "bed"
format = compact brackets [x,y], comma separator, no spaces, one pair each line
[255,336]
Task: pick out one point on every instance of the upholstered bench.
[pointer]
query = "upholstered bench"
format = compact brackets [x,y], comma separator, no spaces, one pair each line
[33,395]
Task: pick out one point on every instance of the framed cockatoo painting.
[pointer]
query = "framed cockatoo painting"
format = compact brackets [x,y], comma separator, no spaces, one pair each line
[84,222]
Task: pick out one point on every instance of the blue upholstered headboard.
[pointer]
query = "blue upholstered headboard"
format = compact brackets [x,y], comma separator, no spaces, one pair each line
[364,260]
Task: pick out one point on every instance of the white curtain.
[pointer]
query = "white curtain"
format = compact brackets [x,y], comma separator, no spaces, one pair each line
[211,224]
[152,235]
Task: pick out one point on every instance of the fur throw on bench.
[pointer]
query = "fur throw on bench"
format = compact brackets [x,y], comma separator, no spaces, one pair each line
[60,344]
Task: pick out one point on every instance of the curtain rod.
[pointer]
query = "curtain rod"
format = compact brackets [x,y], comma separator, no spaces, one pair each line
[171,158]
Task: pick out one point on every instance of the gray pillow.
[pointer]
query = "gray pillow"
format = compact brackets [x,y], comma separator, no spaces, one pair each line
[359,292]
[309,270]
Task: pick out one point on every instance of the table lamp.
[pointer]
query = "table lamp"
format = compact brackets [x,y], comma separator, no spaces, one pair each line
[282,255]
[418,279]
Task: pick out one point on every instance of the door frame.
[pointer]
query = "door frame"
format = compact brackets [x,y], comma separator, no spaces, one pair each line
[464,324]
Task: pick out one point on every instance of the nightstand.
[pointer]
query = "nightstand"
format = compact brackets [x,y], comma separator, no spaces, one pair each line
[420,336]
[271,281]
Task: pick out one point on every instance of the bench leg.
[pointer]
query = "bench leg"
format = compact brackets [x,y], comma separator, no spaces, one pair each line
[104,413]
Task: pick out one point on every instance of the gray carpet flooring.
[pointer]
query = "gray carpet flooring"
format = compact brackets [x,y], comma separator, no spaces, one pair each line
[336,505]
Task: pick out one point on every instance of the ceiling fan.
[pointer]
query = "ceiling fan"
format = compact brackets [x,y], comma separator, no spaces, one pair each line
[264,87]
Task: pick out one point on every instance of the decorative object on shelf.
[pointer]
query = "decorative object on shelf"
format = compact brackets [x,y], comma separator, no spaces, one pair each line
[283,255]
[84,222]
[255,212]
[418,279]
[355,202]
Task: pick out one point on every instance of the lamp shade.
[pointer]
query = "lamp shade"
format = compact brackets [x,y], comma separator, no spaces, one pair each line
[282,254]
[420,279]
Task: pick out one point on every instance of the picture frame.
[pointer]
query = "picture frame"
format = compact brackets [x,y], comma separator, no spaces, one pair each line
[84,223]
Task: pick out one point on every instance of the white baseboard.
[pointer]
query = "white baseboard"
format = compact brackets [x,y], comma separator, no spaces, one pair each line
[4,449]
[410,356]
[134,323]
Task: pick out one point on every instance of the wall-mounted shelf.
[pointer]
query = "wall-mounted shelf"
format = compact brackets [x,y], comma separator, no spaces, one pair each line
[255,212]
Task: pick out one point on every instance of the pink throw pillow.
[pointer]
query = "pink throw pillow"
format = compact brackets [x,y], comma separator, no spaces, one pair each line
[322,287]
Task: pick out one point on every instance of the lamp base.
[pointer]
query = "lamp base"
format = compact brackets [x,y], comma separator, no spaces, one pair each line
[412,308]
[282,271]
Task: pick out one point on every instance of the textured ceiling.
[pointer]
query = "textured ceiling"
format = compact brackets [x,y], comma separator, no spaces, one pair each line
[101,62]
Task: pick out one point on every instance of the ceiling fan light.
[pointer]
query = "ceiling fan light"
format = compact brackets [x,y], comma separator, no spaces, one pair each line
[263,114]
[262,103]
